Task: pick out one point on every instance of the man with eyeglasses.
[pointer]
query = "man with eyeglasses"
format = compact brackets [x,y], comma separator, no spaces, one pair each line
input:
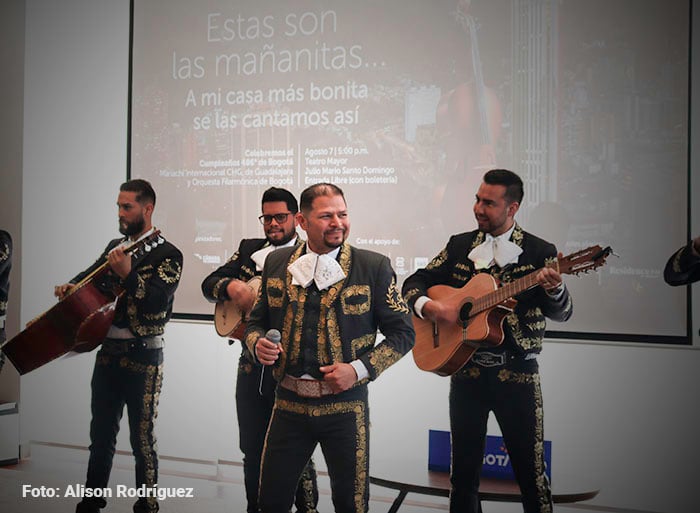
[255,386]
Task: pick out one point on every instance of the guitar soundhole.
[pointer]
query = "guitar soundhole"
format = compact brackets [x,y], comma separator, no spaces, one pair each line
[464,313]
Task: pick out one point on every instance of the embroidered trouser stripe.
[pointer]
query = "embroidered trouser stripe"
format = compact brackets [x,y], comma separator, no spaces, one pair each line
[515,398]
[341,428]
[118,381]
[254,411]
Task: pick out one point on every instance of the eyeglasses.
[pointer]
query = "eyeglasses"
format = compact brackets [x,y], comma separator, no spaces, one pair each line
[279,218]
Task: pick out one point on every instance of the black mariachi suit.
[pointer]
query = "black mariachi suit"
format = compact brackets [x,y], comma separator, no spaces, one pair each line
[5,266]
[512,390]
[683,267]
[132,376]
[338,324]
[254,409]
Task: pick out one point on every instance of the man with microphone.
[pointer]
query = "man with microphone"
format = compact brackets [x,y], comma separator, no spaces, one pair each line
[315,322]
[255,386]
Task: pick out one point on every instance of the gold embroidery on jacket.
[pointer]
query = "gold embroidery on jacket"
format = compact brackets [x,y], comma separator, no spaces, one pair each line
[478,240]
[410,294]
[140,286]
[517,235]
[677,262]
[356,299]
[383,357]
[462,278]
[394,298]
[520,270]
[520,339]
[275,292]
[169,271]
[5,252]
[533,312]
[537,326]
[297,323]
[216,289]
[336,342]
[156,316]
[361,344]
[321,333]
[247,272]
[440,259]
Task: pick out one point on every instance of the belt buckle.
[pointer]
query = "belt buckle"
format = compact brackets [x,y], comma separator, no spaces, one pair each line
[308,388]
[487,359]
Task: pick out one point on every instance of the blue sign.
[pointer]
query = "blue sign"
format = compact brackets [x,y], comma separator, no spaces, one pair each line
[496,459]
[439,450]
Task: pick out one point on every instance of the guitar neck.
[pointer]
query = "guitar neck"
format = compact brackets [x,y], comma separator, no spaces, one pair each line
[507,291]
[128,250]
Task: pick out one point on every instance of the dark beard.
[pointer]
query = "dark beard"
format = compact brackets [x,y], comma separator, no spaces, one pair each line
[284,240]
[132,229]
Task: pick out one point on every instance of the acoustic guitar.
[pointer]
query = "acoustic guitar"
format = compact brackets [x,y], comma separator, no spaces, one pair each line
[481,306]
[229,319]
[78,322]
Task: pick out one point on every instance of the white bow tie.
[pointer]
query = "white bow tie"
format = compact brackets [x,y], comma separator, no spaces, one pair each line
[501,251]
[260,255]
[321,269]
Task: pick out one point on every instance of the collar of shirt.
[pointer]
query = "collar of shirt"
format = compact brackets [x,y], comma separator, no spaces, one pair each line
[499,250]
[324,269]
[260,255]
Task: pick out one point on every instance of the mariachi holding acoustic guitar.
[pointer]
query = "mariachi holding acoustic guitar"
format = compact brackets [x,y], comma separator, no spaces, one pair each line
[487,336]
[233,287]
[121,303]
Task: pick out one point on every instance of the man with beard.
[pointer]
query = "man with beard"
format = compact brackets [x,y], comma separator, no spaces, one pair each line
[129,365]
[504,379]
[255,386]
[327,299]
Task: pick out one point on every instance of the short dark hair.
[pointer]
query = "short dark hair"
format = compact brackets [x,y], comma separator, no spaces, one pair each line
[278,194]
[144,192]
[511,181]
[309,194]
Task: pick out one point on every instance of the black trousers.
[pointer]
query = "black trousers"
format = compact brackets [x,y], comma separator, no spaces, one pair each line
[254,411]
[340,424]
[513,393]
[133,379]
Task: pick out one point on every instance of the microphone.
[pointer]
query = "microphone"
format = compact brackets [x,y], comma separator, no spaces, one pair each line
[275,337]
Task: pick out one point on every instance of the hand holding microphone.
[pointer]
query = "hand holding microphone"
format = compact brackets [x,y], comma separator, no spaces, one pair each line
[268,348]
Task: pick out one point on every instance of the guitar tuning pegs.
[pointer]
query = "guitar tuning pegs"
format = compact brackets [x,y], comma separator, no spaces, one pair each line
[161,240]
[147,247]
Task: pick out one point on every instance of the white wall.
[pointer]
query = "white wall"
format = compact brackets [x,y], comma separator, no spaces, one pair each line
[625,416]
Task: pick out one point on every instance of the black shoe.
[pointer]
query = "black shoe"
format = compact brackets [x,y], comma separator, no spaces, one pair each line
[144,506]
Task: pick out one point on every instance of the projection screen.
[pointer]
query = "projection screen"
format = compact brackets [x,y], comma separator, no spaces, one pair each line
[405,104]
